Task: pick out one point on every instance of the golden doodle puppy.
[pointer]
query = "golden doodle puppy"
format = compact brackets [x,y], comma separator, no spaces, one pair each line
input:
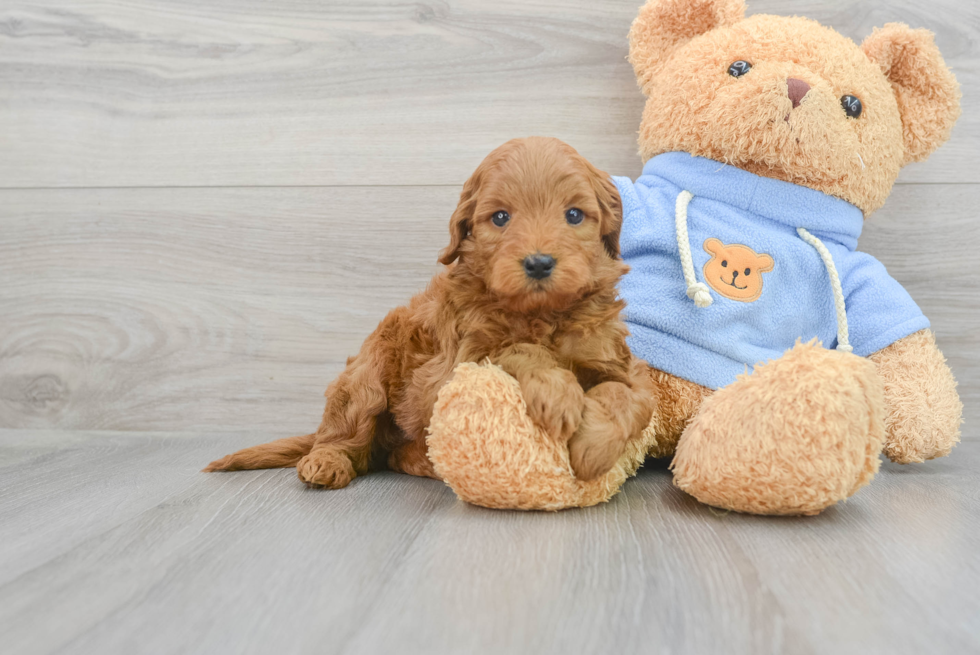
[530,283]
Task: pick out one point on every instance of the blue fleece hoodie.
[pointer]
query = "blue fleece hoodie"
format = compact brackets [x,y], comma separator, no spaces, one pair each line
[712,345]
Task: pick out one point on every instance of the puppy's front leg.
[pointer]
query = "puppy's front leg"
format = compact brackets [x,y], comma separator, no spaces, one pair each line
[614,413]
[553,395]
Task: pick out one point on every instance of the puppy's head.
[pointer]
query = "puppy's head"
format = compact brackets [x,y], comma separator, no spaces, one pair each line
[538,224]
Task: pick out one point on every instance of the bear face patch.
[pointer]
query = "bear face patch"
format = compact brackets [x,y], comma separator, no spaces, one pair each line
[735,271]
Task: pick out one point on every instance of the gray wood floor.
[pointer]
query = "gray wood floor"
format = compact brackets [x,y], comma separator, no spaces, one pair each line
[206,206]
[113,542]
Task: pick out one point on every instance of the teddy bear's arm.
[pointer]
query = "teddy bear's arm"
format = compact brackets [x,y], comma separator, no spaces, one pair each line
[923,410]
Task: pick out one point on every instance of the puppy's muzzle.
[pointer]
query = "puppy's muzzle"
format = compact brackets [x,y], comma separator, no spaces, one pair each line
[539,266]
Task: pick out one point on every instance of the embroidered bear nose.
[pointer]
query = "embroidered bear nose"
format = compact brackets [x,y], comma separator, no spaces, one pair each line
[796,89]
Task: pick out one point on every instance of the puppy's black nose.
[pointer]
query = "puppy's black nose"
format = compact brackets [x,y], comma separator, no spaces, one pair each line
[539,266]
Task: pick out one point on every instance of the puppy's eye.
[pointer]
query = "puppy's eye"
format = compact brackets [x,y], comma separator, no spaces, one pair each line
[500,218]
[574,216]
[852,106]
[739,68]
[724,263]
[748,271]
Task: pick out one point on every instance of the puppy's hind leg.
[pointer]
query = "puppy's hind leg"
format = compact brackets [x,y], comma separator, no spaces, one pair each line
[342,445]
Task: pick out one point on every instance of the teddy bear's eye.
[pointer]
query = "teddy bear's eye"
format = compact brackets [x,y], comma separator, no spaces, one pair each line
[739,68]
[748,271]
[852,106]
[724,263]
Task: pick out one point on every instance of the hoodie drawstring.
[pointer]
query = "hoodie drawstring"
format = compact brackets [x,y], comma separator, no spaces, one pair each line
[842,342]
[696,291]
[699,293]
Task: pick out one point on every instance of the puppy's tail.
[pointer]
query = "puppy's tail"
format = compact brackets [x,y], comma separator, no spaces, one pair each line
[275,454]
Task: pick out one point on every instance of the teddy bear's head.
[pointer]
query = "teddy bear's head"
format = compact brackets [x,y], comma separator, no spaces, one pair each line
[788,98]
[735,271]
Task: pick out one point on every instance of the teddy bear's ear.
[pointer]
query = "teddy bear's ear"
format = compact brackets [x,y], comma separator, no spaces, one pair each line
[662,26]
[713,246]
[764,263]
[927,93]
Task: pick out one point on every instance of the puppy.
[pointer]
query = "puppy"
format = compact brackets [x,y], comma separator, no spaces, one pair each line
[530,283]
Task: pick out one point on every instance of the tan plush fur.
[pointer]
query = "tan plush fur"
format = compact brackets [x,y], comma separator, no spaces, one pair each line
[923,410]
[677,401]
[558,334]
[800,433]
[681,50]
[773,442]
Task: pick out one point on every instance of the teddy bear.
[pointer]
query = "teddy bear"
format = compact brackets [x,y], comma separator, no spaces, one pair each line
[785,361]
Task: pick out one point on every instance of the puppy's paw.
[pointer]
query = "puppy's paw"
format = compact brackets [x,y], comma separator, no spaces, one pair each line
[554,401]
[326,468]
[598,443]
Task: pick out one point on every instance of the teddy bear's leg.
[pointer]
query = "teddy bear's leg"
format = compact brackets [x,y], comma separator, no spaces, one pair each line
[923,412]
[676,403]
[484,445]
[794,437]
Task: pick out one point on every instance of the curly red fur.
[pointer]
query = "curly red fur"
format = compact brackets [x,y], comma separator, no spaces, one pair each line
[561,337]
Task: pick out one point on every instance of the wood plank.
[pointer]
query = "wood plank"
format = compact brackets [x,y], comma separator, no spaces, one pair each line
[252,92]
[222,309]
[252,561]
[58,491]
[134,557]
[199,306]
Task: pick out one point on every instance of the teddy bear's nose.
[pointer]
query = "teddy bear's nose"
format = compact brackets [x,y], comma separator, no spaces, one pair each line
[797,89]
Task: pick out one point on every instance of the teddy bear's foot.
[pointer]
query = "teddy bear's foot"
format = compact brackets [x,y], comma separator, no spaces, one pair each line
[794,437]
[483,444]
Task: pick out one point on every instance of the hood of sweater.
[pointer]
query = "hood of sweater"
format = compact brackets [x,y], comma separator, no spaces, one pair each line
[790,204]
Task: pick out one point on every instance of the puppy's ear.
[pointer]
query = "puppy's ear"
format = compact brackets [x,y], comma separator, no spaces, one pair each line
[663,26]
[610,211]
[461,222]
[927,93]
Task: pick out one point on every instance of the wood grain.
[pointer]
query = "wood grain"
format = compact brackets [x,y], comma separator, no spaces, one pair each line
[253,92]
[199,306]
[220,309]
[253,562]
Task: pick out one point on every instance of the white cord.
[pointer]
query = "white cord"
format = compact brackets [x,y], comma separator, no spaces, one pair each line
[828,262]
[696,291]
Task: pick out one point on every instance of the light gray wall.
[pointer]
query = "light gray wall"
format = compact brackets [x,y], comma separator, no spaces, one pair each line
[205,207]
